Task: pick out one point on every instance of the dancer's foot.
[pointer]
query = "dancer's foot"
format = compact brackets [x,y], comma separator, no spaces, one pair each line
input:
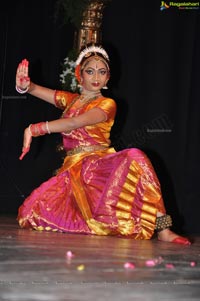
[169,236]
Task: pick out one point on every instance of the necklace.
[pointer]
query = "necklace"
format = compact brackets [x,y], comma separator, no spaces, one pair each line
[87,96]
[84,98]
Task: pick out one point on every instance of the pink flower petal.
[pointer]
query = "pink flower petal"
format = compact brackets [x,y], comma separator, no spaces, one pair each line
[169,266]
[69,254]
[192,263]
[129,265]
[150,263]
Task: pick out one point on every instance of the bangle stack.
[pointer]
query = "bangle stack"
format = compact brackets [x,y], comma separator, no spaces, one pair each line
[39,129]
[22,91]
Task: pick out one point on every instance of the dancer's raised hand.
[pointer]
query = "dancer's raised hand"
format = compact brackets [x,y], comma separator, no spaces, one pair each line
[22,77]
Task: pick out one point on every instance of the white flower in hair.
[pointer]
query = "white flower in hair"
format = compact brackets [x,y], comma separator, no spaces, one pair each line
[88,50]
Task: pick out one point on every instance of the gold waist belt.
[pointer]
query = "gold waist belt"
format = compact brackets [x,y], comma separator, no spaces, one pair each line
[82,149]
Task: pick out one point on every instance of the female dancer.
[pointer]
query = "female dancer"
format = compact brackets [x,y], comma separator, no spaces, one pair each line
[96,190]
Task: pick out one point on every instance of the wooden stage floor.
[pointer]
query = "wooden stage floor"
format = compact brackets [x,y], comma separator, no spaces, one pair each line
[37,266]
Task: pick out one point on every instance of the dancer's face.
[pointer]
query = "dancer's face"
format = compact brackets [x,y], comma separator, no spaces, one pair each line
[94,75]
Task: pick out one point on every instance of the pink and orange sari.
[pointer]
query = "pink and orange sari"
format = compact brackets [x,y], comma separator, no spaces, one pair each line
[97,190]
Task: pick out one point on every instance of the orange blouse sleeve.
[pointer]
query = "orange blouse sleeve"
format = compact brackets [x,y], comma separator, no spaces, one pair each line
[108,105]
[63,99]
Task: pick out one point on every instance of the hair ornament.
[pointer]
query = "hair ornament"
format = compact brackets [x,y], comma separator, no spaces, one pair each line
[89,50]
[78,73]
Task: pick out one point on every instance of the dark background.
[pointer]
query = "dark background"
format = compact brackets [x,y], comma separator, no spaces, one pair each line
[155,67]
